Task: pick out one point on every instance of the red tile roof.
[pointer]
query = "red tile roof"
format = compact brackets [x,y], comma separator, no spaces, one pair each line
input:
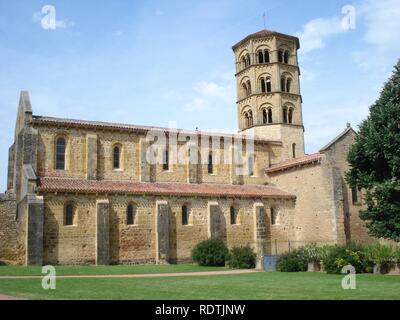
[265,33]
[308,159]
[53,184]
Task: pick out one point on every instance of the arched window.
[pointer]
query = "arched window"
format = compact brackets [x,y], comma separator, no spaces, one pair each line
[69,214]
[130,214]
[166,160]
[273,215]
[60,153]
[290,116]
[280,55]
[265,116]
[260,57]
[248,87]
[250,118]
[210,164]
[285,115]
[268,85]
[266,56]
[233,215]
[269,115]
[283,82]
[117,157]
[247,60]
[185,215]
[246,119]
[251,165]
[288,84]
[286,57]
[244,62]
[263,86]
[244,90]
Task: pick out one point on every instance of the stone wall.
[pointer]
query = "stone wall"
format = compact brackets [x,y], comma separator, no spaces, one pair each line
[141,242]
[9,244]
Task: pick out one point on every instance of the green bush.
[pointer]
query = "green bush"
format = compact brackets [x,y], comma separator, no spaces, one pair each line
[311,252]
[210,252]
[341,255]
[292,262]
[380,255]
[241,258]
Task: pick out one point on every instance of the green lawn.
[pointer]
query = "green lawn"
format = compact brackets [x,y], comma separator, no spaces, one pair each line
[101,270]
[263,285]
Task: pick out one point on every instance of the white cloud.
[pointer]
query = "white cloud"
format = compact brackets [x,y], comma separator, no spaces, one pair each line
[211,95]
[382,23]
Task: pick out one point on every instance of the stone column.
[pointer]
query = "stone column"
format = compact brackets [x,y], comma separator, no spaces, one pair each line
[34,230]
[91,156]
[162,232]
[260,233]
[102,232]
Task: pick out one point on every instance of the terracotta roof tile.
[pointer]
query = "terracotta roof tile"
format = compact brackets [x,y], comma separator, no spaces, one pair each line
[265,33]
[53,184]
[300,161]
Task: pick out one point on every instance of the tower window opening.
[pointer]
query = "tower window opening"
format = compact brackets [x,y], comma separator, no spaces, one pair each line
[290,116]
[248,88]
[250,118]
[268,85]
[260,57]
[283,82]
[266,56]
[288,84]
[269,115]
[280,55]
[285,115]
[263,87]
[286,57]
[265,116]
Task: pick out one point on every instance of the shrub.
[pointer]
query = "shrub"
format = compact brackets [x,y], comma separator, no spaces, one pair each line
[212,252]
[292,262]
[311,252]
[242,258]
[380,255]
[342,255]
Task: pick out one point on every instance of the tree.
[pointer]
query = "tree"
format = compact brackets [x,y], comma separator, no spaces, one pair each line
[374,159]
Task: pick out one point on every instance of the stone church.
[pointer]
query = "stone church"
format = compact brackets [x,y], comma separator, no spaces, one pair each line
[86,192]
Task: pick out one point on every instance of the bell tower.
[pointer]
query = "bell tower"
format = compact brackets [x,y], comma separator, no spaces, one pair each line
[268,89]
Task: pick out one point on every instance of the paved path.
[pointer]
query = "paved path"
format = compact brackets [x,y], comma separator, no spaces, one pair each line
[147,275]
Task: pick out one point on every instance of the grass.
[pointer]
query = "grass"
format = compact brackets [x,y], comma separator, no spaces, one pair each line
[102,270]
[262,286]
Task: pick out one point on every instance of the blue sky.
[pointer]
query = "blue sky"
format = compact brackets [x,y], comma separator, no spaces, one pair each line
[152,62]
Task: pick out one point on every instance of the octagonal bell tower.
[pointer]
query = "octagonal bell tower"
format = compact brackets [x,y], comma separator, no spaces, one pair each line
[268,89]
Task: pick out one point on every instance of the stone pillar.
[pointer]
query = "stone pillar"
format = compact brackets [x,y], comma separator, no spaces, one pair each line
[162,232]
[147,170]
[260,233]
[91,156]
[214,223]
[102,232]
[34,230]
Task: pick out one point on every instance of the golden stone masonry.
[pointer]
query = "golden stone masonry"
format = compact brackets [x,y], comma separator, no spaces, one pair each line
[83,192]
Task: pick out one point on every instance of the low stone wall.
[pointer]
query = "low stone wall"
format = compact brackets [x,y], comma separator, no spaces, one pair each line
[9,246]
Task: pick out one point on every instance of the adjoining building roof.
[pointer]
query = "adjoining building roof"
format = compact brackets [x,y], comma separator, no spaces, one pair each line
[337,138]
[265,33]
[55,184]
[296,162]
[137,128]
